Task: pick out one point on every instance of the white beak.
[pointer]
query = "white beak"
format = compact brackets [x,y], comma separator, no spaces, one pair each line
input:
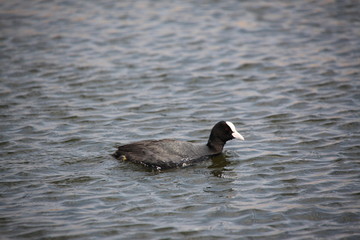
[235,133]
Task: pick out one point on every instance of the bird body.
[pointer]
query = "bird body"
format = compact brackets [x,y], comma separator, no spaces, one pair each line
[171,153]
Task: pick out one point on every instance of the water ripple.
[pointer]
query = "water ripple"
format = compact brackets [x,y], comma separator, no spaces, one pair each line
[73,88]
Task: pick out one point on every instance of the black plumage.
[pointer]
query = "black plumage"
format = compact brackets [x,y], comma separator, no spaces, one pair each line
[170,153]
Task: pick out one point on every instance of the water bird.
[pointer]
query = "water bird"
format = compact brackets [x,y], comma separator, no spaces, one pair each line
[171,153]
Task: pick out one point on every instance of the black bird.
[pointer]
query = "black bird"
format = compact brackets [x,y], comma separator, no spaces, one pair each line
[170,153]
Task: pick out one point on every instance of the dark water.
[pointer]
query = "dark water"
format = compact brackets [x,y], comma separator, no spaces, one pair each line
[81,77]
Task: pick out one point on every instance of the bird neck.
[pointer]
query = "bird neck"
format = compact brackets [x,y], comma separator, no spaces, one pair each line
[215,144]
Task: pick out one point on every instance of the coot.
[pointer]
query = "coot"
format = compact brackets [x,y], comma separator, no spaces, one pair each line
[170,153]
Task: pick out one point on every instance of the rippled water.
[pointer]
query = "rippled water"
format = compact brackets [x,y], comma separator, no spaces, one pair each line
[79,78]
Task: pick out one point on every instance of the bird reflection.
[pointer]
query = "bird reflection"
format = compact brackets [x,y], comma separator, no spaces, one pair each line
[218,165]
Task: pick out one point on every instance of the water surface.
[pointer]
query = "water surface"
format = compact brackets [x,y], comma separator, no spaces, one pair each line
[78,78]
